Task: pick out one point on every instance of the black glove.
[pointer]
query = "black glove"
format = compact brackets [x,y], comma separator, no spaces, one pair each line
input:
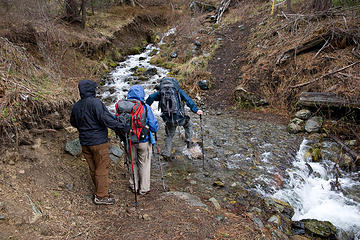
[126,129]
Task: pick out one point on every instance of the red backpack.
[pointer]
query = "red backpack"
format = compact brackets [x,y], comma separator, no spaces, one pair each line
[133,113]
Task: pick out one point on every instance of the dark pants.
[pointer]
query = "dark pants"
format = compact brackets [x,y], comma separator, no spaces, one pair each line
[98,159]
[170,129]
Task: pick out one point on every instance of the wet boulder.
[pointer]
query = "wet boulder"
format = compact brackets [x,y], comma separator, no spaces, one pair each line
[314,124]
[73,147]
[296,125]
[303,114]
[322,229]
[150,72]
[109,100]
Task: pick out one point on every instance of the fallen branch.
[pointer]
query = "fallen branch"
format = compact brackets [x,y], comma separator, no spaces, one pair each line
[42,130]
[352,154]
[325,75]
[355,133]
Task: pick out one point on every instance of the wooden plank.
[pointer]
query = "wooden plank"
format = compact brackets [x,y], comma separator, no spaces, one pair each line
[326,99]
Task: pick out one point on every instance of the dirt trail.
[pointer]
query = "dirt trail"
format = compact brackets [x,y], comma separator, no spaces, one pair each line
[60,187]
[226,64]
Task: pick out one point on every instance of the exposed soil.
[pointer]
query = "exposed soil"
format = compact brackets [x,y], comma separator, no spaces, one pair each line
[60,187]
[226,64]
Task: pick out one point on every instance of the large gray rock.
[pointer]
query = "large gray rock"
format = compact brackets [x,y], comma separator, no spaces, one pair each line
[73,147]
[314,124]
[189,198]
[296,125]
[115,153]
[303,114]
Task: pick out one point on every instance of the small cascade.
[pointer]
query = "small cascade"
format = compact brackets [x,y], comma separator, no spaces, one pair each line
[310,192]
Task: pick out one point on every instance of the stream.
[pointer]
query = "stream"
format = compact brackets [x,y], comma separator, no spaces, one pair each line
[255,155]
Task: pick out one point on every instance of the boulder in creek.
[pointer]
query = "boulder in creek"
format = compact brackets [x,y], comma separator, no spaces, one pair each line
[73,147]
[150,72]
[303,114]
[296,125]
[314,124]
[316,228]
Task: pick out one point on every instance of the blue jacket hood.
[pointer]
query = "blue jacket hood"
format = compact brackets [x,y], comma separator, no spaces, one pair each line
[136,92]
[87,88]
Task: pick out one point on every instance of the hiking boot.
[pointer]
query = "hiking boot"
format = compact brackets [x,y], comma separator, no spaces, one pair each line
[104,200]
[189,144]
[144,192]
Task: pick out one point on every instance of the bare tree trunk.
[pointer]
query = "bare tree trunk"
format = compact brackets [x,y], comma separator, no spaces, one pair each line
[321,5]
[288,2]
[71,10]
[83,13]
[92,7]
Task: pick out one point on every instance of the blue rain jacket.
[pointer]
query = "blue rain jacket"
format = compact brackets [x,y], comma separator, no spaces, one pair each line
[90,116]
[137,92]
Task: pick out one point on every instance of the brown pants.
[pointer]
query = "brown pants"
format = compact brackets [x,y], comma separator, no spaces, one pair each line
[98,160]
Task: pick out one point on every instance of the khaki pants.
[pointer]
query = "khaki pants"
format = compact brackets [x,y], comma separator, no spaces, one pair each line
[141,154]
[98,159]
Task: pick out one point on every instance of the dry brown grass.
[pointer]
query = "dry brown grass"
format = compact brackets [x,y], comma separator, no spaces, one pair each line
[275,35]
[43,58]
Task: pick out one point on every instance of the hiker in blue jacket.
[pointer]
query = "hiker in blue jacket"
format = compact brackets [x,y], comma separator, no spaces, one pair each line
[142,151]
[92,119]
[171,101]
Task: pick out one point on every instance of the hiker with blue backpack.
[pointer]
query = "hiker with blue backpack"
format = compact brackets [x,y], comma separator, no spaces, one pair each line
[171,102]
[138,143]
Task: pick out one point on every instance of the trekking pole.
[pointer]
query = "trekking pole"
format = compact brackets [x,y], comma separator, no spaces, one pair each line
[161,169]
[202,142]
[133,173]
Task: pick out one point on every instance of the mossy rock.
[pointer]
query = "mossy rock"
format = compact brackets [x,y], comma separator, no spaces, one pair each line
[113,64]
[316,155]
[139,71]
[319,228]
[135,50]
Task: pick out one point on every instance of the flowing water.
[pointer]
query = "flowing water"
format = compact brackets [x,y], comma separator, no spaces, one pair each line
[257,155]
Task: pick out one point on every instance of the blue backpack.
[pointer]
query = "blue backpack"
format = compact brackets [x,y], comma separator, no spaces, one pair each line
[171,106]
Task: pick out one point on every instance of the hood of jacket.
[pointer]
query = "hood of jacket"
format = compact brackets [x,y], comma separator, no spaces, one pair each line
[136,92]
[87,88]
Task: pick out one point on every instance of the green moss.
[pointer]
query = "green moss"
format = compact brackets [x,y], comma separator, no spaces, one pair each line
[168,65]
[113,64]
[316,155]
[139,71]
[135,50]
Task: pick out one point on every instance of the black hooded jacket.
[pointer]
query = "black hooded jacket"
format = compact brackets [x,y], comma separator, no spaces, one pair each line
[90,116]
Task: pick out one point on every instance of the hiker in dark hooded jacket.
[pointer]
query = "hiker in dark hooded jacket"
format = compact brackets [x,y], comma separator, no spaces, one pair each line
[92,119]
[174,120]
[142,151]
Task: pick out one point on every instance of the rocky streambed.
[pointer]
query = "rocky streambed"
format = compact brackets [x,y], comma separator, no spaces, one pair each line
[252,167]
